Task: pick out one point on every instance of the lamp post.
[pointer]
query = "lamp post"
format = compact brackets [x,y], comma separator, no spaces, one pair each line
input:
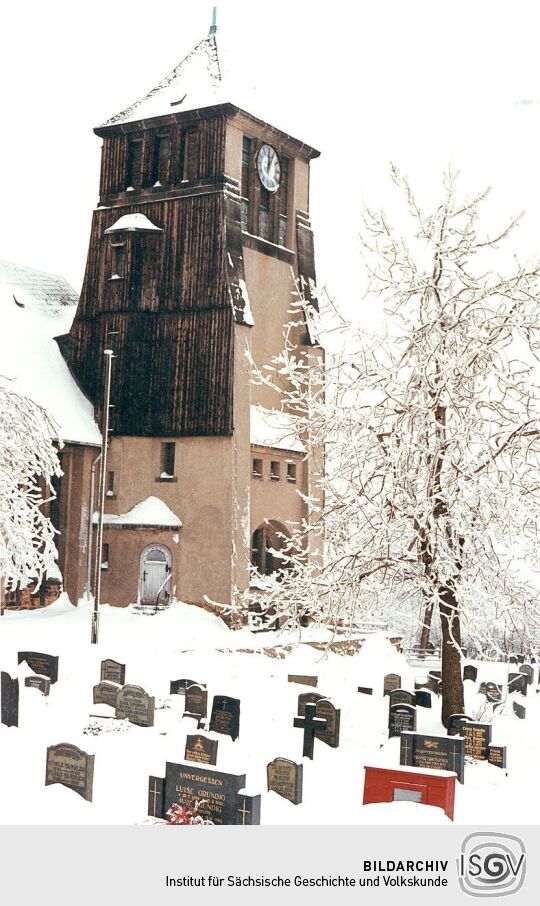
[109,355]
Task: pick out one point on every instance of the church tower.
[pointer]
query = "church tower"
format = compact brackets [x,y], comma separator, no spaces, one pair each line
[198,245]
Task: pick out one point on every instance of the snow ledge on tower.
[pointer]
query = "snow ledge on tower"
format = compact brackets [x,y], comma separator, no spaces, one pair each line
[149,513]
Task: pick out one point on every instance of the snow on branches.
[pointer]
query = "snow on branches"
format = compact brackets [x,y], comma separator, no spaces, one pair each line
[28,463]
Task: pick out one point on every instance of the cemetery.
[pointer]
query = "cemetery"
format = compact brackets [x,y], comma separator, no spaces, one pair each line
[224,723]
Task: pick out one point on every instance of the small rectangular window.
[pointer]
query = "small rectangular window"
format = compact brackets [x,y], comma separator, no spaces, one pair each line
[105,556]
[282,236]
[274,470]
[110,484]
[161,159]
[291,472]
[257,470]
[191,155]
[168,451]
[264,214]
[246,167]
[134,163]
[118,263]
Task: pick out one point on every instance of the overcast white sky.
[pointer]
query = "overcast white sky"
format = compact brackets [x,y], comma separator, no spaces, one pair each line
[419,83]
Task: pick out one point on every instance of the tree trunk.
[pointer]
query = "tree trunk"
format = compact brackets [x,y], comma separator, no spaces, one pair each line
[452,683]
[426,627]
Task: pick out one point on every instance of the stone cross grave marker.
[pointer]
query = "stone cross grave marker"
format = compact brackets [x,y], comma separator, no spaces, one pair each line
[400,718]
[44,664]
[9,700]
[285,778]
[225,717]
[391,681]
[70,766]
[309,723]
[200,749]
[113,672]
[133,703]
[442,753]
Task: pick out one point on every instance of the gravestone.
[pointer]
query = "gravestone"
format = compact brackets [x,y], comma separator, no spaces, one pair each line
[44,664]
[395,784]
[529,673]
[497,756]
[285,778]
[470,672]
[225,716]
[307,698]
[185,783]
[196,701]
[492,691]
[518,682]
[105,694]
[401,697]
[365,690]
[519,710]
[391,681]
[179,686]
[477,739]
[330,733]
[400,718]
[9,702]
[442,753]
[433,683]
[42,683]
[133,703]
[201,749]
[309,723]
[156,797]
[513,659]
[422,698]
[303,680]
[455,722]
[113,672]
[70,766]
[248,810]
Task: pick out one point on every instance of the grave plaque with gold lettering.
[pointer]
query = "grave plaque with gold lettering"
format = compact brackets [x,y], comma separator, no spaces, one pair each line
[477,739]
[442,753]
[188,782]
[201,749]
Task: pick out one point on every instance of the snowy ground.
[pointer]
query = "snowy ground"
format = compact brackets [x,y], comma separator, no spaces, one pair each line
[188,642]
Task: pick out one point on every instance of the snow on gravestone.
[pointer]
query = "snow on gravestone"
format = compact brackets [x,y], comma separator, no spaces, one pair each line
[42,683]
[179,686]
[196,701]
[422,698]
[442,753]
[44,664]
[70,766]
[529,673]
[9,704]
[401,697]
[133,703]
[285,778]
[105,694]
[113,672]
[401,718]
[391,681]
[518,682]
[470,672]
[225,716]
[455,722]
[307,698]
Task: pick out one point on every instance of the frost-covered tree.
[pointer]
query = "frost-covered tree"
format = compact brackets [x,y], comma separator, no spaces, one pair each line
[28,463]
[432,439]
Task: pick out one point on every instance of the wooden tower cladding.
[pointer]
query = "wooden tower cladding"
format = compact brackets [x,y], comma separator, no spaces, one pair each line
[167,294]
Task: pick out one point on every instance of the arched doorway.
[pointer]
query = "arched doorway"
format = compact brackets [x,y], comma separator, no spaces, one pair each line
[155,575]
[267,540]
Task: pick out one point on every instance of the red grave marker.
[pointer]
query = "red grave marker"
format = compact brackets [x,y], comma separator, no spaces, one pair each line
[426,786]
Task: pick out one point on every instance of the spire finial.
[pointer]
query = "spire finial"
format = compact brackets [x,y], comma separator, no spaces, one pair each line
[213,28]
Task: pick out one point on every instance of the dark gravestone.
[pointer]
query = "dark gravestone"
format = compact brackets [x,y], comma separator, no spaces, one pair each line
[179,686]
[225,716]
[113,672]
[365,690]
[528,671]
[513,659]
[309,723]
[519,710]
[325,710]
[248,810]
[518,682]
[422,698]
[201,749]
[401,718]
[391,681]
[42,683]
[477,739]
[455,724]
[401,697]
[303,680]
[470,672]
[307,698]
[492,691]
[70,766]
[434,683]
[156,797]
[9,704]
[442,753]
[285,778]
[133,703]
[497,756]
[196,701]
[44,664]
[105,694]
[185,783]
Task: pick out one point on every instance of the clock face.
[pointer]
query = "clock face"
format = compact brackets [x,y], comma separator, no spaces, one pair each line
[268,167]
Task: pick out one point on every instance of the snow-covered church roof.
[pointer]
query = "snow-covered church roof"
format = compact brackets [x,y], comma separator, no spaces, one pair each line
[36,307]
